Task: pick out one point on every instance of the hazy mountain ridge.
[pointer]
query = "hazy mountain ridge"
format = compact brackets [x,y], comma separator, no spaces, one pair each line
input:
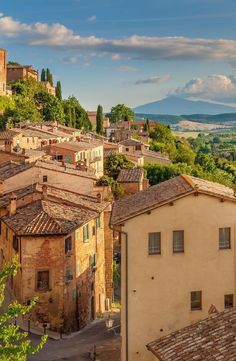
[176,106]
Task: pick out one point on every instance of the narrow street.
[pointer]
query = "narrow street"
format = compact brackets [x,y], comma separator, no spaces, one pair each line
[79,346]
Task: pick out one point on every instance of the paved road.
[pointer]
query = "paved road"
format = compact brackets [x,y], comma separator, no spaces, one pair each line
[78,347]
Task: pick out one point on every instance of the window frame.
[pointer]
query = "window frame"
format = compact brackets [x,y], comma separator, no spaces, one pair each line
[68,244]
[225,301]
[36,280]
[86,235]
[158,248]
[45,178]
[199,308]
[229,240]
[183,241]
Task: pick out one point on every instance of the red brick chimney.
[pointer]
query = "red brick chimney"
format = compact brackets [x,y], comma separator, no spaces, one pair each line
[99,197]
[12,204]
[45,191]
[8,146]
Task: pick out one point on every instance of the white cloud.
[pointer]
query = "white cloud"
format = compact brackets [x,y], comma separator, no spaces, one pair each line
[92,18]
[153,80]
[220,88]
[137,47]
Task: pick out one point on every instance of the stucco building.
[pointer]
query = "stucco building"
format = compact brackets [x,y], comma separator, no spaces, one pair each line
[178,258]
[132,180]
[15,72]
[3,71]
[84,152]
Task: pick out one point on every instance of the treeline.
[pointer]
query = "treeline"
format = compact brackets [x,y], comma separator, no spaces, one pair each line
[31,102]
[194,157]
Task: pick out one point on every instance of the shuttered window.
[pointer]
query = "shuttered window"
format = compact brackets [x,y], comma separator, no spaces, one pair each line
[154,243]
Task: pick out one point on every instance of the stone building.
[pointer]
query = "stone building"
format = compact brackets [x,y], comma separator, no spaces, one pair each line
[178,258]
[3,72]
[132,180]
[50,88]
[15,72]
[59,237]
[85,152]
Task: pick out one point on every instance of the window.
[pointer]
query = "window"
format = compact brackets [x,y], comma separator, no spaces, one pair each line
[154,243]
[85,232]
[127,149]
[178,241]
[69,275]
[68,244]
[45,178]
[94,231]
[15,243]
[98,222]
[93,262]
[224,238]
[196,300]
[229,301]
[77,234]
[42,280]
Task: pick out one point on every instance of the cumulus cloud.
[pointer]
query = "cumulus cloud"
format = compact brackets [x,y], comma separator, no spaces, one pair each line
[220,88]
[137,47]
[153,80]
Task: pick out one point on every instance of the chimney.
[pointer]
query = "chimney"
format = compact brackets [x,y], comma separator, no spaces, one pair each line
[99,197]
[8,146]
[45,191]
[12,204]
[23,151]
[234,189]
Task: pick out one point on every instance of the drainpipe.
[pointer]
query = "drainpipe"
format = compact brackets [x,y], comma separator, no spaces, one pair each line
[126,291]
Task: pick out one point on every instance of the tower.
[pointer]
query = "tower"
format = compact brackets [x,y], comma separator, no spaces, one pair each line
[3,71]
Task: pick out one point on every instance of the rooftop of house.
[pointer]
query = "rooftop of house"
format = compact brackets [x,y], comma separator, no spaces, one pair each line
[132,142]
[11,169]
[211,339]
[66,168]
[164,193]
[8,134]
[134,175]
[6,157]
[48,217]
[155,155]
[87,201]
[79,145]
[20,193]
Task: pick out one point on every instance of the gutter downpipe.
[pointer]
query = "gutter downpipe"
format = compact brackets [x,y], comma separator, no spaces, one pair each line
[126,291]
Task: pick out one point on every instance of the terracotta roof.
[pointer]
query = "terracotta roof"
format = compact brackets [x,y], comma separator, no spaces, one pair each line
[11,169]
[20,193]
[78,146]
[130,175]
[46,217]
[163,193]
[211,339]
[155,155]
[8,134]
[131,141]
[67,168]
[86,201]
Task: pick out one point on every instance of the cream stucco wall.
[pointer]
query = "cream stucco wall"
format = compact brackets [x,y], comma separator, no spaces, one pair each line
[159,286]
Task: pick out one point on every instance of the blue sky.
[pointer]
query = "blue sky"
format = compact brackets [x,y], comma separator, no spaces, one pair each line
[129,51]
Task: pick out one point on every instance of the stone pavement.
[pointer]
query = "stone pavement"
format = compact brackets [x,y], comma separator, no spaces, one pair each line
[79,346]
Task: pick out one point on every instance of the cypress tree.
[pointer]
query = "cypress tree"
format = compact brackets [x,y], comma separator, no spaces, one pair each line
[49,76]
[99,120]
[58,91]
[43,75]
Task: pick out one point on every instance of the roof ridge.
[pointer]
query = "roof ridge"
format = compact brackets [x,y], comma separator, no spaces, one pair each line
[188,179]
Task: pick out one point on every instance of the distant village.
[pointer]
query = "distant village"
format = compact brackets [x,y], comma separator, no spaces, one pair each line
[174,242]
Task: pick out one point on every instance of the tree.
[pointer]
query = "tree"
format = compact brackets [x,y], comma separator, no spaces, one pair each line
[75,115]
[49,76]
[49,106]
[146,125]
[43,75]
[58,90]
[120,112]
[184,154]
[99,120]
[14,344]
[114,163]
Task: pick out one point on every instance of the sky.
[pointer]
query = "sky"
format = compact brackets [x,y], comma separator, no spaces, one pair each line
[127,51]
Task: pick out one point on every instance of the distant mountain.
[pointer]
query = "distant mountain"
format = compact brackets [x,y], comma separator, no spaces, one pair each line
[173,105]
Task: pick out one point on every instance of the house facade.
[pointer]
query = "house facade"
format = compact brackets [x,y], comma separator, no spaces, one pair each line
[60,244]
[15,72]
[178,258]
